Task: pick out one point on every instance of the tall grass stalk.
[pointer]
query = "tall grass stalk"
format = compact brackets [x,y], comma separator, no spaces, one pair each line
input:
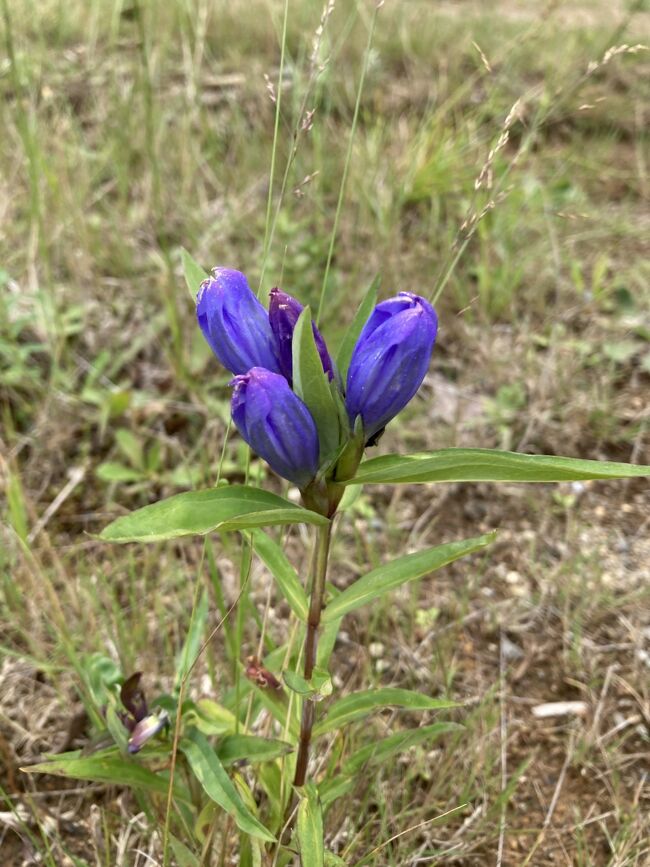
[346,165]
[274,149]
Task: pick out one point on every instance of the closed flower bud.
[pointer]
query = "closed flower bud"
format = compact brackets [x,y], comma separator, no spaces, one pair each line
[390,360]
[284,311]
[234,323]
[276,424]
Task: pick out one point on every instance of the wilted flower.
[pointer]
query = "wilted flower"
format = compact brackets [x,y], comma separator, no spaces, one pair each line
[390,360]
[234,323]
[146,729]
[256,672]
[276,424]
[284,311]
[140,724]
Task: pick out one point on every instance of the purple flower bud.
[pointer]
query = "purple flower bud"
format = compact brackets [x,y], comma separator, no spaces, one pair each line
[146,729]
[390,360]
[284,311]
[276,424]
[234,322]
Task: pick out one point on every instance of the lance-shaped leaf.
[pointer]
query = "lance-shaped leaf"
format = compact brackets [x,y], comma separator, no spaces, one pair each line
[381,750]
[236,507]
[378,752]
[385,578]
[268,550]
[210,773]
[311,384]
[250,748]
[109,767]
[360,704]
[194,274]
[310,828]
[488,465]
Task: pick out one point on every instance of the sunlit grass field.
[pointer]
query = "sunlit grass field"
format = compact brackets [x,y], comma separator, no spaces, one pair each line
[491,155]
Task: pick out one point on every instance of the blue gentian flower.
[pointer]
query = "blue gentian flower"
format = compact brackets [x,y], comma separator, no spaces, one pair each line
[284,311]
[390,360]
[234,323]
[276,424]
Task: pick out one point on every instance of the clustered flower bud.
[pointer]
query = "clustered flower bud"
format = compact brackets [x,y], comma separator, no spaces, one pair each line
[276,424]
[390,360]
[388,364]
[284,312]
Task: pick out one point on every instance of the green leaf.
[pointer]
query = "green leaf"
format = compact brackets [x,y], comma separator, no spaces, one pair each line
[376,753]
[379,751]
[350,497]
[487,465]
[194,274]
[210,773]
[360,704]
[108,767]
[333,860]
[348,343]
[250,748]
[334,788]
[111,471]
[296,682]
[130,446]
[213,718]
[236,507]
[183,855]
[276,561]
[319,684]
[385,578]
[328,634]
[311,384]
[310,828]
[192,644]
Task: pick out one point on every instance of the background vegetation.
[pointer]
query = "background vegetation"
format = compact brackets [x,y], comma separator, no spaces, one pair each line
[132,129]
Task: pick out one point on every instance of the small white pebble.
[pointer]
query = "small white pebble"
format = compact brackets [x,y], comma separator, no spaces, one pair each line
[560,708]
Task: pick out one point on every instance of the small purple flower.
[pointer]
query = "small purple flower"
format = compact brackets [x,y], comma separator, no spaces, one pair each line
[146,728]
[284,311]
[234,323]
[276,424]
[137,720]
[390,360]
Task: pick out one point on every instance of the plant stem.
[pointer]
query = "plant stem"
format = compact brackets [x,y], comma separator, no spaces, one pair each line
[311,646]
